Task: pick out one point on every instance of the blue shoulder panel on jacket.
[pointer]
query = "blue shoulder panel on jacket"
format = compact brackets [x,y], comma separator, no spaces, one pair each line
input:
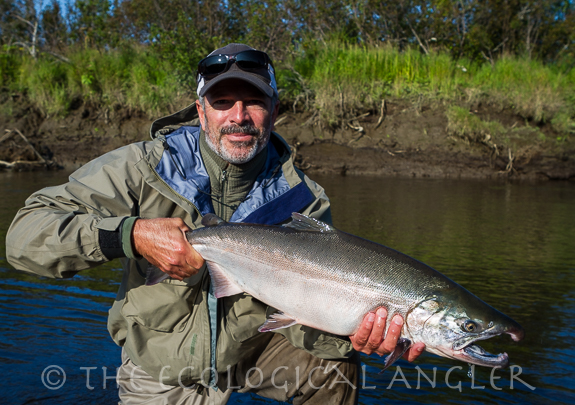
[271,200]
[184,157]
[281,208]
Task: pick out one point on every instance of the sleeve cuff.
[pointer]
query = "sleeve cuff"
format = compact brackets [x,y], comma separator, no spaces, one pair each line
[126,238]
[110,243]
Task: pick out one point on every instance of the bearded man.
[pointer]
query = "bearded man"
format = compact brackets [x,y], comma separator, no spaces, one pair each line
[181,345]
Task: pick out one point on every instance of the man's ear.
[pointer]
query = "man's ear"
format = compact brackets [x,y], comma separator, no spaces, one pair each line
[201,114]
[275,113]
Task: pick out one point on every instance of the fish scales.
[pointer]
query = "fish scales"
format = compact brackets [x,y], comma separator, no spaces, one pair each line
[333,278]
[318,276]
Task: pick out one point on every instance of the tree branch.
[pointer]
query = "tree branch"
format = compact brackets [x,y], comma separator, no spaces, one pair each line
[418,40]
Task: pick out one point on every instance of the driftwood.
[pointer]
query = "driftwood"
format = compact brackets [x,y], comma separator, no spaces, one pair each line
[382,115]
[23,164]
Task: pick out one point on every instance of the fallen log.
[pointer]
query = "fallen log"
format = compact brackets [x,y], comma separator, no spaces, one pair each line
[23,164]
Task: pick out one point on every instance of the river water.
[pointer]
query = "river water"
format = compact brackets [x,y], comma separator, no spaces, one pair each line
[513,245]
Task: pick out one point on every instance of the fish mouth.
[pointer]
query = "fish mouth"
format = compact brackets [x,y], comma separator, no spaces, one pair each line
[475,354]
[467,350]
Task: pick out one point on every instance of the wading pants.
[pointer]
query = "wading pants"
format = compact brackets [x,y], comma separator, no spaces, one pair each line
[279,372]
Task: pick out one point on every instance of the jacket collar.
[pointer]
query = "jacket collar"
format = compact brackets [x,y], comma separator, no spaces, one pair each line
[276,192]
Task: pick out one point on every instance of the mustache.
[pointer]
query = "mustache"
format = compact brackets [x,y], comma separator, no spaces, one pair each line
[240,129]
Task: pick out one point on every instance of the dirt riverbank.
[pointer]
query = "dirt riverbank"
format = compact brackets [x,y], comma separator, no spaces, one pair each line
[405,140]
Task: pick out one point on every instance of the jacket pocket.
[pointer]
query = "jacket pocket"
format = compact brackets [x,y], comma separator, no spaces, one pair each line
[245,315]
[164,307]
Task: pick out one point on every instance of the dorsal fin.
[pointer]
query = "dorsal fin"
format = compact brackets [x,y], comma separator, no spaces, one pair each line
[212,220]
[305,223]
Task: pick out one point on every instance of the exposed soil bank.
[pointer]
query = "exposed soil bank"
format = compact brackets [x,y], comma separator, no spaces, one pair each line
[408,141]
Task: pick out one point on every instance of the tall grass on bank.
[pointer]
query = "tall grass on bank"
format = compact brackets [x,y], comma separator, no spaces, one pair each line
[129,77]
[351,78]
[346,78]
[338,81]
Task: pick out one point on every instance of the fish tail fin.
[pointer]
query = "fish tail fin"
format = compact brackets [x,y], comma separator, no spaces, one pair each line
[154,275]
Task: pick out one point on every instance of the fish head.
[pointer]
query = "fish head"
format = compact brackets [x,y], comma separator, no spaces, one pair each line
[450,323]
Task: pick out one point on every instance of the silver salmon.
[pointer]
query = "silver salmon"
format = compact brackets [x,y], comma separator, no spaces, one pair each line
[318,276]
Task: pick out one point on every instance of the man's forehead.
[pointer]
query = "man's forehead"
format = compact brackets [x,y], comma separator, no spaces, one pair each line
[237,88]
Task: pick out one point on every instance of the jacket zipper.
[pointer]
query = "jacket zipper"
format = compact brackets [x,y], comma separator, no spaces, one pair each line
[223,190]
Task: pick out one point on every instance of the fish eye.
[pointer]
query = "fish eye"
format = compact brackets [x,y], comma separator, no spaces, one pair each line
[470,326]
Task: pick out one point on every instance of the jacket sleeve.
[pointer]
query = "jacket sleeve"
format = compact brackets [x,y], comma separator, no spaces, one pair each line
[61,230]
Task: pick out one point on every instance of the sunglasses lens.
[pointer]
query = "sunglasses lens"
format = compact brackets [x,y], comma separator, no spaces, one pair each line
[213,65]
[251,60]
[246,60]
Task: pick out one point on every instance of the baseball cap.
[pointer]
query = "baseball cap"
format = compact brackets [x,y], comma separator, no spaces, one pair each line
[237,61]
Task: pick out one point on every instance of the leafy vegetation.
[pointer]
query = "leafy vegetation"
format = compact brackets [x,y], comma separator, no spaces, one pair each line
[336,59]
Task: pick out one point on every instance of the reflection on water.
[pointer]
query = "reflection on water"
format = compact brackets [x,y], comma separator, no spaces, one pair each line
[513,245]
[510,244]
[53,326]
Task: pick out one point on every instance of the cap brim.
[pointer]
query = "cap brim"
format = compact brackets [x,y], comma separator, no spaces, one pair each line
[252,78]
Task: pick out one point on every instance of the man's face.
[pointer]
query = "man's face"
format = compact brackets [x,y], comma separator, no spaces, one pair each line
[237,120]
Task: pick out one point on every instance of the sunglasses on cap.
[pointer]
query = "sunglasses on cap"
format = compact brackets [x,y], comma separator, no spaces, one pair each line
[249,60]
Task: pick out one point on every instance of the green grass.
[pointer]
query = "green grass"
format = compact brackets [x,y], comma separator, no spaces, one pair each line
[472,129]
[336,80]
[131,77]
[346,79]
[534,90]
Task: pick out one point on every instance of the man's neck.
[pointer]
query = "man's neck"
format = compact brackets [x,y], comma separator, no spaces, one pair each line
[229,183]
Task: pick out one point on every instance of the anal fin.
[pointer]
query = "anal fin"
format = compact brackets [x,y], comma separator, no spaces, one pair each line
[277,320]
[403,345]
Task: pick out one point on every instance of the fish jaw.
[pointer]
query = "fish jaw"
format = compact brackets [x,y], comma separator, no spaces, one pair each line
[517,333]
[475,354]
[467,350]
[472,353]
[441,322]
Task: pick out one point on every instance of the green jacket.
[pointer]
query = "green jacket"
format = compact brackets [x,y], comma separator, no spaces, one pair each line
[165,328]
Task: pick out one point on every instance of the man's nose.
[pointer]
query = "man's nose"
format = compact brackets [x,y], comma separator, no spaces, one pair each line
[239,113]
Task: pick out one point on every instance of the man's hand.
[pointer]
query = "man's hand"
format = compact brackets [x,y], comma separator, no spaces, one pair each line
[369,338]
[163,243]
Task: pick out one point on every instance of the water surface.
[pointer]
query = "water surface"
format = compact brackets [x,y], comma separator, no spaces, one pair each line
[510,244]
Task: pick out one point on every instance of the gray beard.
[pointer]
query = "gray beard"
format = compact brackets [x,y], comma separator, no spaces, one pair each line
[254,148]
[236,160]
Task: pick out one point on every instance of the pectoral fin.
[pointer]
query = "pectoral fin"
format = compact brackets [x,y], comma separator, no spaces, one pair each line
[402,346]
[276,321]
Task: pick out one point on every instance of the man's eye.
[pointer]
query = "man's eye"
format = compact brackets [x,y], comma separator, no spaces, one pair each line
[220,102]
[257,102]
